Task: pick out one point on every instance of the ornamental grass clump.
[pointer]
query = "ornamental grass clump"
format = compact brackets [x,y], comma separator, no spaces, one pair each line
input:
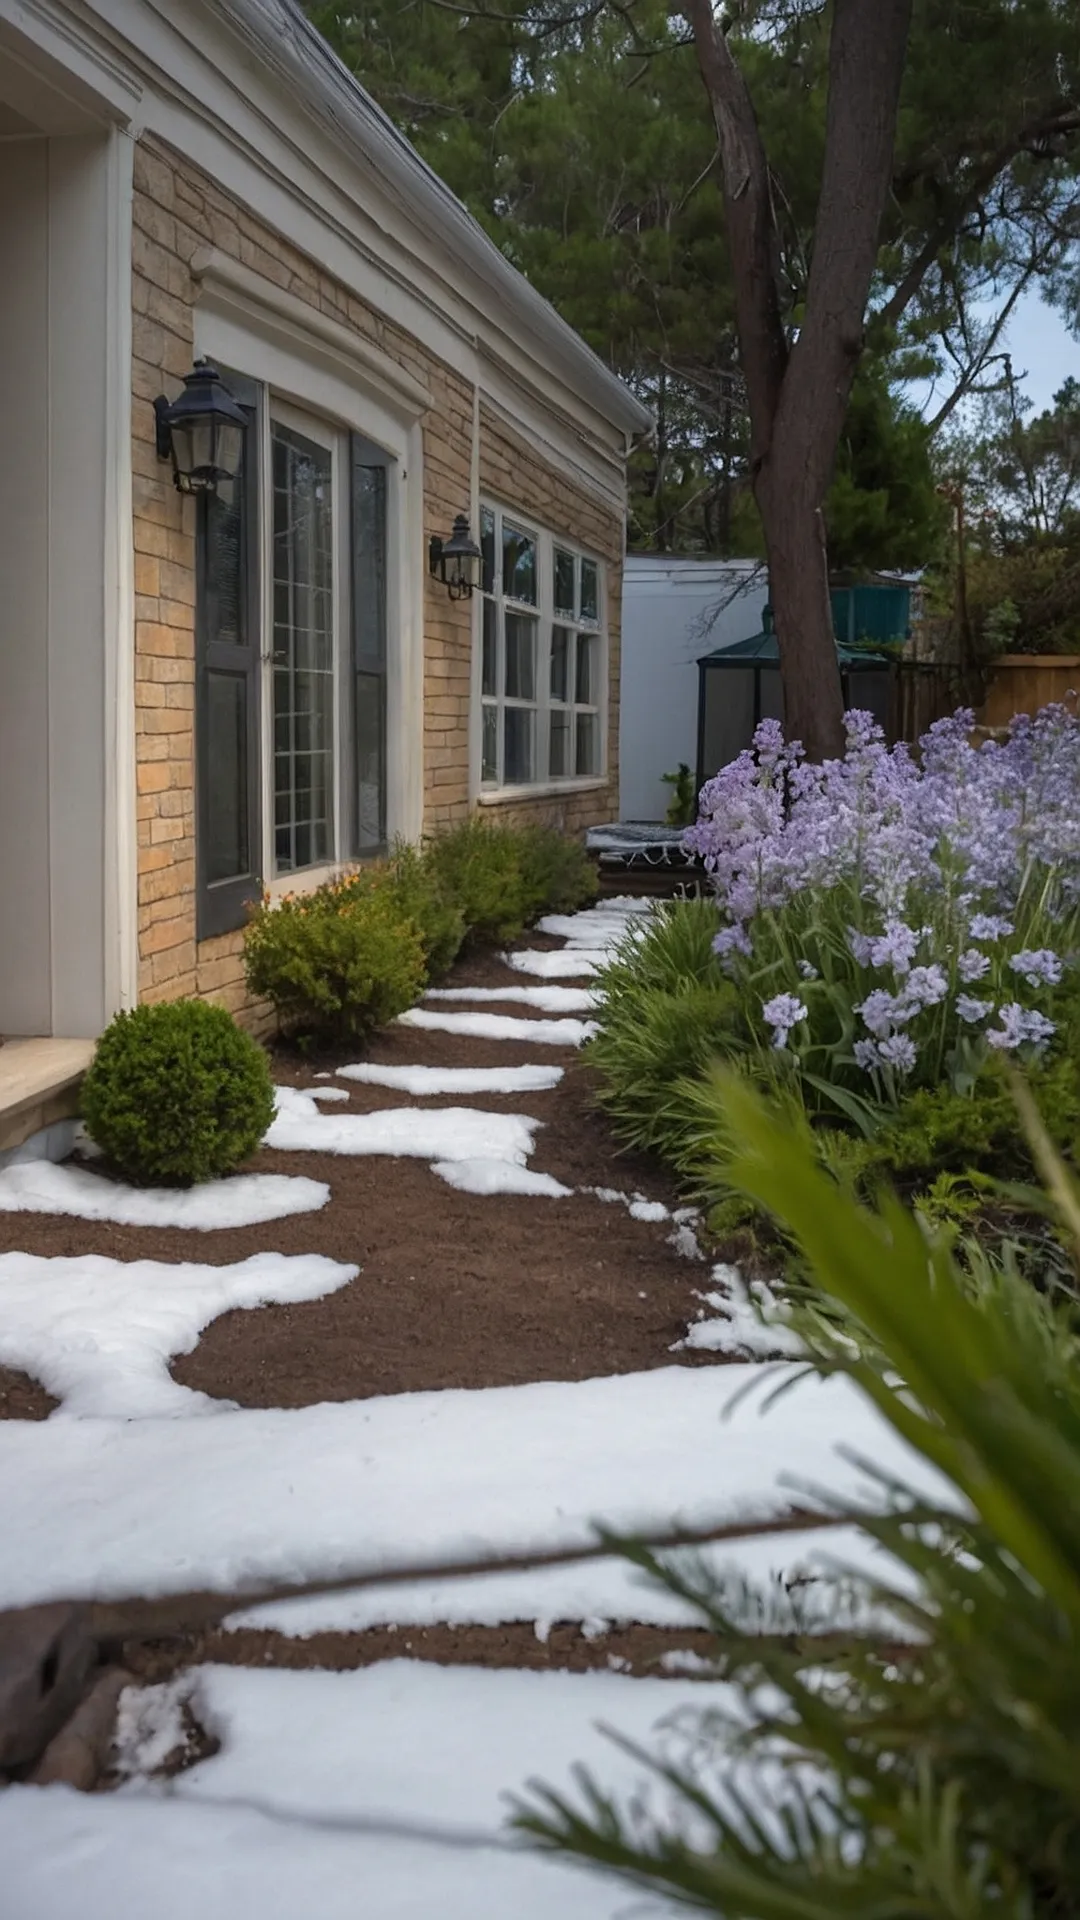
[894,920]
[177,1093]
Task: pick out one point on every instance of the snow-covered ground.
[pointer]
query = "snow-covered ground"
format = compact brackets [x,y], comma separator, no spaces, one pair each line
[378,1794]
[315,1803]
[245,1200]
[105,1507]
[99,1333]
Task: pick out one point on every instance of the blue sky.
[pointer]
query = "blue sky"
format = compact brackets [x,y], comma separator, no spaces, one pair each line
[1042,349]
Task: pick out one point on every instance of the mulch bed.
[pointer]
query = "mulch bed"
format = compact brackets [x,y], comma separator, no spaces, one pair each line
[22,1398]
[455,1290]
[566,1647]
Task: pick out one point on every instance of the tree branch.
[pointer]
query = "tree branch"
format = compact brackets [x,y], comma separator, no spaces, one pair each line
[751,225]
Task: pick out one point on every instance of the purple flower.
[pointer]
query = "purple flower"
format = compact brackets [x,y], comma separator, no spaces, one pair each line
[1038,966]
[898,1052]
[989,926]
[925,986]
[783,1012]
[895,948]
[733,939]
[861,944]
[973,966]
[866,1054]
[1020,1025]
[883,1011]
[808,972]
[971,1010]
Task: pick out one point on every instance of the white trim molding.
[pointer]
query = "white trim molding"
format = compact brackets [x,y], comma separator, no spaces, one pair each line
[238,292]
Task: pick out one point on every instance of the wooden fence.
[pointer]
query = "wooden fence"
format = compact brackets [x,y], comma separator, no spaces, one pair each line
[1024,682]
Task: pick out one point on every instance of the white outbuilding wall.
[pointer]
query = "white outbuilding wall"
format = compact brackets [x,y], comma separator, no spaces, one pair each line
[674,610]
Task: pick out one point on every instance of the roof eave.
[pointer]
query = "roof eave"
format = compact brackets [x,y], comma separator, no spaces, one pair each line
[294,48]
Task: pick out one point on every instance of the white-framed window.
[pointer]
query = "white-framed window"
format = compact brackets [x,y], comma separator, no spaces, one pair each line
[543,667]
[291,656]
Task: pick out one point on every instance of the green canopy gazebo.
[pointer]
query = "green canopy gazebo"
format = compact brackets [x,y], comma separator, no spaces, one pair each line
[740,684]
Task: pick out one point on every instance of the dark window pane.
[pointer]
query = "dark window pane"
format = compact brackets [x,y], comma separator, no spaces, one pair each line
[560,663]
[590,591]
[519,743]
[369,561]
[519,565]
[565,601]
[520,657]
[588,744]
[491,648]
[588,655]
[225,848]
[489,758]
[303,650]
[223,580]
[559,753]
[370,778]
[487,548]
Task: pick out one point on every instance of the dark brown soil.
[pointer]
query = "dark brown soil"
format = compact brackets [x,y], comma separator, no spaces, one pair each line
[566,1647]
[22,1398]
[455,1290]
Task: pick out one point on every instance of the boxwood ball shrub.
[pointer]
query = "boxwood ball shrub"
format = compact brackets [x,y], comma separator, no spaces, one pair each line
[177,1093]
[335,963]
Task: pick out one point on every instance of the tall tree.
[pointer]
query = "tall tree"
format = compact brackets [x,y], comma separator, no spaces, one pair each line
[798,388]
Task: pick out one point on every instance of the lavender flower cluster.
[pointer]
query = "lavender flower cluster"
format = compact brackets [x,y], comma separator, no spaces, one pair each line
[941,871]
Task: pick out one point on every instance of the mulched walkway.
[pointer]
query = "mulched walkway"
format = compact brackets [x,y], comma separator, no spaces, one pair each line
[455,1290]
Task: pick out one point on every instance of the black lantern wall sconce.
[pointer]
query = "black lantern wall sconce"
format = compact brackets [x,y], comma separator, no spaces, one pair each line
[456,562]
[201,432]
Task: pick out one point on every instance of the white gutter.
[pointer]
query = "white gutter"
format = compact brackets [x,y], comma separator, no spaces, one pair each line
[286,41]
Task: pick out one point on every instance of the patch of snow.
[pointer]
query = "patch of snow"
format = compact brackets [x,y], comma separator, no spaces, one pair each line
[609,1589]
[568,964]
[439,1080]
[636,1204]
[498,1176]
[150,1725]
[685,1660]
[247,1199]
[547,999]
[685,1240]
[600,926]
[744,1319]
[379,1792]
[109,1507]
[441,1133]
[502,1026]
[99,1333]
[327,1093]
[642,1209]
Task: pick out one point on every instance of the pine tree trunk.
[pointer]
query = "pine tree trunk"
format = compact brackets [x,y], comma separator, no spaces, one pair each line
[802,612]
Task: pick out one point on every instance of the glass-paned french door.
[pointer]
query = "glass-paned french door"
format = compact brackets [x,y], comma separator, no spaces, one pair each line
[292,624]
[304,649]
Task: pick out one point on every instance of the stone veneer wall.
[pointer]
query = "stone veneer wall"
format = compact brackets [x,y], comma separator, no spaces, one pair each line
[177,210]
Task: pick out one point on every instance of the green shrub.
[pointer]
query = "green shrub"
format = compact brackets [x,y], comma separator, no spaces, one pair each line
[177,1093]
[335,963]
[420,896]
[409,879]
[479,868]
[558,875]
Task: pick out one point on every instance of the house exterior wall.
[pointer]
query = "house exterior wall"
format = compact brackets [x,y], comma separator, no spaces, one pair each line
[178,213]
